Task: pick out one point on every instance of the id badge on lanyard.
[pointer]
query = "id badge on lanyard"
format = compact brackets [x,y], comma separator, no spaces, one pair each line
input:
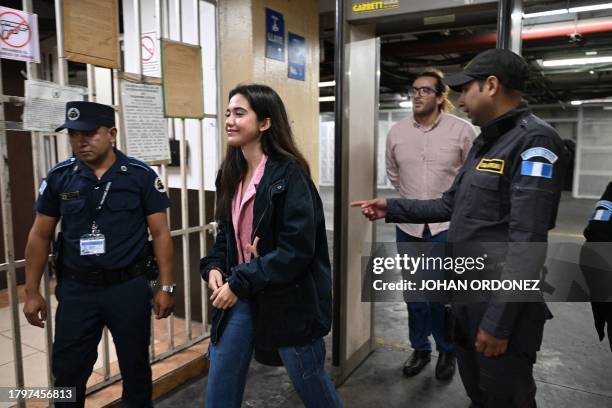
[95,242]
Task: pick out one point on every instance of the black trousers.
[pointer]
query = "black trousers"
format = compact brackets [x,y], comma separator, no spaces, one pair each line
[82,313]
[505,381]
[499,382]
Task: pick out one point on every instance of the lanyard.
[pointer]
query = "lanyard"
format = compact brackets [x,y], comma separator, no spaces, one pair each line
[94,226]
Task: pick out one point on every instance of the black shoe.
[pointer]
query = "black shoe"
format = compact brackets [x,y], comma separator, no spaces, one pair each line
[445,367]
[417,361]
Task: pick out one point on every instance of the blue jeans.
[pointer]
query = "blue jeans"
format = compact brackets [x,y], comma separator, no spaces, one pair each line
[426,318]
[231,355]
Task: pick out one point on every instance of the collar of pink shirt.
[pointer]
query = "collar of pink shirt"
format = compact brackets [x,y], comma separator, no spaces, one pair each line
[428,129]
[242,210]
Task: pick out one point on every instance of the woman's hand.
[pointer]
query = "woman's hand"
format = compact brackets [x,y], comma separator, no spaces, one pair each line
[253,248]
[223,297]
[215,279]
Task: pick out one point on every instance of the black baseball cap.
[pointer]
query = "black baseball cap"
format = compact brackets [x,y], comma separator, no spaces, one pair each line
[511,70]
[87,116]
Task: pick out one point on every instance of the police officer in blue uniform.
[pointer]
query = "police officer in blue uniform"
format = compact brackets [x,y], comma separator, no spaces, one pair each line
[507,191]
[105,200]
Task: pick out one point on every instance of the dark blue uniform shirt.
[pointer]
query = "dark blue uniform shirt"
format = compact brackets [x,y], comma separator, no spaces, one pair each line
[72,191]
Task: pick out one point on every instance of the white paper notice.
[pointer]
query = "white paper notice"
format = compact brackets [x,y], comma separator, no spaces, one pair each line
[45,104]
[146,128]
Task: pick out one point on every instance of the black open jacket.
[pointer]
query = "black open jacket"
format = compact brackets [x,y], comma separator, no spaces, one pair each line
[289,285]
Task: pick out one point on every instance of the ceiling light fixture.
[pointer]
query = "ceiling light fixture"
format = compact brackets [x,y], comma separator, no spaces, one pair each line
[545,13]
[593,7]
[576,61]
[405,104]
[581,9]
[326,84]
[327,99]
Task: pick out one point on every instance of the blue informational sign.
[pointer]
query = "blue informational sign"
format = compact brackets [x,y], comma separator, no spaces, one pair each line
[296,45]
[275,35]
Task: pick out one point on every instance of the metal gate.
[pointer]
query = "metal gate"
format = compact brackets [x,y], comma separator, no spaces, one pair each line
[48,149]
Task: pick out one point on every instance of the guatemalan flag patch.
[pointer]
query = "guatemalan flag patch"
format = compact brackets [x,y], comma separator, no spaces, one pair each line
[603,211]
[534,168]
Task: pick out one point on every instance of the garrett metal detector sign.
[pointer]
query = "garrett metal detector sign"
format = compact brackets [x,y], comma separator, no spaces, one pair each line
[19,35]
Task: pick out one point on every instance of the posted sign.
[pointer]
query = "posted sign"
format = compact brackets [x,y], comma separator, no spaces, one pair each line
[19,35]
[151,65]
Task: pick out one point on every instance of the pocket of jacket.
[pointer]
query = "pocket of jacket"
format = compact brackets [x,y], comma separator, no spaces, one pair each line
[485,200]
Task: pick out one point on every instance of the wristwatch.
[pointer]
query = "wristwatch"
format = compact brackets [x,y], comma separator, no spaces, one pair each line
[170,289]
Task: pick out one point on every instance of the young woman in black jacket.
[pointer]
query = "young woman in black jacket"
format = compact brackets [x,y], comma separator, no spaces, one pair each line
[269,268]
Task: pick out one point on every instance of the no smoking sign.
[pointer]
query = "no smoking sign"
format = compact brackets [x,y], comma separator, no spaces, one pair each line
[19,35]
[150,54]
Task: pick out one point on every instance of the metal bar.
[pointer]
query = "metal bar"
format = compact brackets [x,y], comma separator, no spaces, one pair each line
[165,27]
[503,23]
[201,194]
[338,210]
[219,96]
[170,327]
[91,83]
[184,198]
[63,147]
[138,26]
[516,27]
[105,354]
[36,137]
[185,225]
[46,289]
[509,25]
[578,154]
[9,250]
[162,22]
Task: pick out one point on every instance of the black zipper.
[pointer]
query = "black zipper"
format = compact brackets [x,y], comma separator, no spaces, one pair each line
[272,191]
[259,222]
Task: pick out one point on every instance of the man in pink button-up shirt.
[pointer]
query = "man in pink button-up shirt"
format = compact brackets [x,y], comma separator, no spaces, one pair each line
[423,155]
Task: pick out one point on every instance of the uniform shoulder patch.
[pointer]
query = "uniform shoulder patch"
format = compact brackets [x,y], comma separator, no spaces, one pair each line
[144,167]
[537,168]
[603,211]
[132,161]
[63,164]
[159,185]
[43,187]
[539,152]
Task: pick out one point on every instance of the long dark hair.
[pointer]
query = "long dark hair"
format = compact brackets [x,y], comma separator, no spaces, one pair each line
[277,143]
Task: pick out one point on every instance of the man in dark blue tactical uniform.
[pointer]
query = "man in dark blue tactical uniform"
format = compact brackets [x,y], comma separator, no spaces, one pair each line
[106,200]
[507,191]
[595,267]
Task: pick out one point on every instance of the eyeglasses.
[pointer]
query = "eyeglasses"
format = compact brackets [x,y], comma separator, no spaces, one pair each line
[422,91]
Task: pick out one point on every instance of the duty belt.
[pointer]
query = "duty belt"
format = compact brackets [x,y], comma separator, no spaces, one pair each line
[104,277]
